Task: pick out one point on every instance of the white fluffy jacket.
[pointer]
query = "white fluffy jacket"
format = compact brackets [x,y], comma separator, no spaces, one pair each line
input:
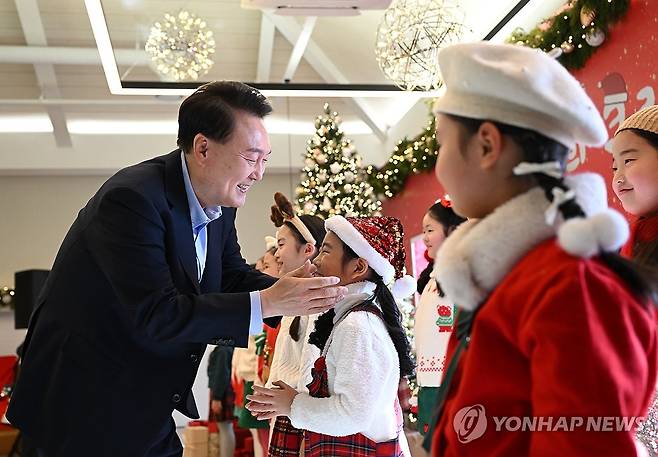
[291,358]
[363,372]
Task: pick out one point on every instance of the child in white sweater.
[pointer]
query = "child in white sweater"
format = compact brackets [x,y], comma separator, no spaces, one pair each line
[298,240]
[351,407]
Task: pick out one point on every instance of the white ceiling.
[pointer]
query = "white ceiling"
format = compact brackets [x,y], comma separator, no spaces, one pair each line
[50,70]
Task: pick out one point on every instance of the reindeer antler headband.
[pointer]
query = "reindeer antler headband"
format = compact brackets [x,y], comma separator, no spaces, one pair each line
[283,212]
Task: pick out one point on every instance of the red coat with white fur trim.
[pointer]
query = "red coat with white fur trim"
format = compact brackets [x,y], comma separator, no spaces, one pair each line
[559,336]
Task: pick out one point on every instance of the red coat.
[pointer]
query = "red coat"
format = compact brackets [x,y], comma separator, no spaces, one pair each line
[559,336]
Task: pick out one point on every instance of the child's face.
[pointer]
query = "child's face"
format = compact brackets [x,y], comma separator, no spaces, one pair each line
[329,262]
[635,179]
[289,254]
[270,265]
[433,235]
[458,175]
[476,169]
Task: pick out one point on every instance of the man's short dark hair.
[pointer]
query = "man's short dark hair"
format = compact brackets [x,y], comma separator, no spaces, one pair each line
[210,110]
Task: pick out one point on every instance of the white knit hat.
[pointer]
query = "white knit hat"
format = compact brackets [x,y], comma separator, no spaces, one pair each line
[518,86]
[646,119]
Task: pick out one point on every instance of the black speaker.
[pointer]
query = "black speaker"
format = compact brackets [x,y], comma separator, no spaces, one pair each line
[27,286]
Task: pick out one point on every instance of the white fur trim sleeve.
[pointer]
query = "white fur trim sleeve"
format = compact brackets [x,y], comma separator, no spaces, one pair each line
[363,377]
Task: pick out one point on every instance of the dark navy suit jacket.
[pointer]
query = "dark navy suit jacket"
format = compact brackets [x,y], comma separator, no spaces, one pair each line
[115,340]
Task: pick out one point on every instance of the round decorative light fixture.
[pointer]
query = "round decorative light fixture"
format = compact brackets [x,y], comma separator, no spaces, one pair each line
[410,36]
[181,46]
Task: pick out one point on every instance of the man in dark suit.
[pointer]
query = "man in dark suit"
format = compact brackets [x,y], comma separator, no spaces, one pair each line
[148,274]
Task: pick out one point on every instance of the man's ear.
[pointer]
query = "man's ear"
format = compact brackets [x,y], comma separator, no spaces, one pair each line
[489,142]
[200,146]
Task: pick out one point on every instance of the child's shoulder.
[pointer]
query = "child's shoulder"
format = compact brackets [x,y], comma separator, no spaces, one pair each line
[363,331]
[362,312]
[551,289]
[548,260]
[549,267]
[360,320]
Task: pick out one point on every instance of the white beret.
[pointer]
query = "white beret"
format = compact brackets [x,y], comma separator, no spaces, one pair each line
[518,86]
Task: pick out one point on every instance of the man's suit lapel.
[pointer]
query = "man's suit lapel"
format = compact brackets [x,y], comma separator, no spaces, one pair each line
[175,189]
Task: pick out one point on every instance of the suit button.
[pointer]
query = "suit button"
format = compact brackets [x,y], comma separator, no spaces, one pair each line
[175,398]
[194,358]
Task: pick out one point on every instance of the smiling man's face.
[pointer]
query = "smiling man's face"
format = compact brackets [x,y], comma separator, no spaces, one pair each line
[228,169]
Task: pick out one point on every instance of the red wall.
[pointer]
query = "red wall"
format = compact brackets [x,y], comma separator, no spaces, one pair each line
[621,78]
[420,192]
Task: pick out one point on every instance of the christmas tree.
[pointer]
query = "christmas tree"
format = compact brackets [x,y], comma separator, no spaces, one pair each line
[332,180]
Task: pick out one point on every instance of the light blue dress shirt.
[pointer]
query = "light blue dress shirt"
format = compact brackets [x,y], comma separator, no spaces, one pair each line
[200,218]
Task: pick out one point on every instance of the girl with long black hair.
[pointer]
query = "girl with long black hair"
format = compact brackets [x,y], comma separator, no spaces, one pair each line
[351,407]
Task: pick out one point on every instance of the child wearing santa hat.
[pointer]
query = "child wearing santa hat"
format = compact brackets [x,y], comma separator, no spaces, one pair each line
[351,407]
[553,326]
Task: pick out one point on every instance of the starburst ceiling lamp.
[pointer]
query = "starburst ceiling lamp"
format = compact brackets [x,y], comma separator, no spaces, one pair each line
[181,46]
[410,36]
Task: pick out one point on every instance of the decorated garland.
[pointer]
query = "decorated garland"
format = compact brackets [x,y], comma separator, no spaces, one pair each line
[411,156]
[575,31]
[571,35]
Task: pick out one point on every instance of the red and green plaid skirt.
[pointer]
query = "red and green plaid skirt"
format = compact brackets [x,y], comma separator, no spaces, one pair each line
[286,440]
[320,445]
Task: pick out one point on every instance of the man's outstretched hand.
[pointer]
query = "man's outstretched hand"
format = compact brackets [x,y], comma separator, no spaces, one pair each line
[299,293]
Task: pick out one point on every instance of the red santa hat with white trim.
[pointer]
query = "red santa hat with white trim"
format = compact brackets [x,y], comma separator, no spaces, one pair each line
[380,241]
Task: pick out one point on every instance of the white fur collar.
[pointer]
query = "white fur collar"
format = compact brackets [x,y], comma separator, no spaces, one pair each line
[356,293]
[479,253]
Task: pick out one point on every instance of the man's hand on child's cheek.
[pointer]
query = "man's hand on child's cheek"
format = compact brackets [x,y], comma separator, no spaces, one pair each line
[269,403]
